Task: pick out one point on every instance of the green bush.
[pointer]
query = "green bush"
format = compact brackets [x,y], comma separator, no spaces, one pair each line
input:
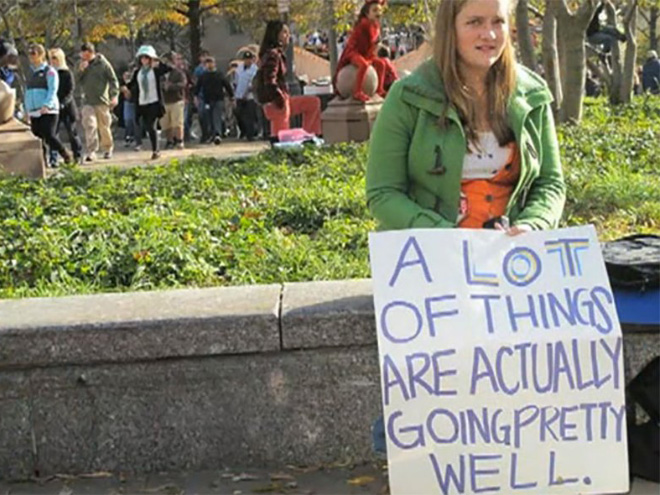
[274,217]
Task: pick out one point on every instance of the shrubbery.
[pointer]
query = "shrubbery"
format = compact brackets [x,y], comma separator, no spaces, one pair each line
[274,217]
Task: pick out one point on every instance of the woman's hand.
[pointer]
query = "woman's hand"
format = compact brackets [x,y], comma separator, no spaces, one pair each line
[515,229]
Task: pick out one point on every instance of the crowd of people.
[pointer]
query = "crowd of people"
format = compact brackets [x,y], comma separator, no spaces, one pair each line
[156,97]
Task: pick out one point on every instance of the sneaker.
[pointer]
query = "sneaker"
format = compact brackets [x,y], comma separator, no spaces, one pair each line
[107,155]
[137,148]
[217,140]
[169,145]
[91,157]
[155,155]
[179,145]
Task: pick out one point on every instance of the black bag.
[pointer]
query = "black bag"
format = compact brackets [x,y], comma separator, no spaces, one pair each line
[644,439]
[633,262]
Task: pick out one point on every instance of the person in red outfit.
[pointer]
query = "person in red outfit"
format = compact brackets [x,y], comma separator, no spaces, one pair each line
[272,91]
[360,49]
[391,75]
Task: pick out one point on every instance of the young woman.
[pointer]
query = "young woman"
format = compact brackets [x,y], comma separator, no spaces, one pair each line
[361,48]
[68,110]
[272,91]
[146,93]
[41,103]
[468,140]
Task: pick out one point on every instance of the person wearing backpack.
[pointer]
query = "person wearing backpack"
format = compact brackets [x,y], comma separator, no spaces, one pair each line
[271,88]
[41,103]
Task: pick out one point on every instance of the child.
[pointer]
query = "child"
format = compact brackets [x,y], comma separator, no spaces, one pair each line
[361,49]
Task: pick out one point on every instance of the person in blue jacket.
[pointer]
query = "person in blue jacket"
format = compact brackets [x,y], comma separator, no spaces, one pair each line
[651,73]
[41,103]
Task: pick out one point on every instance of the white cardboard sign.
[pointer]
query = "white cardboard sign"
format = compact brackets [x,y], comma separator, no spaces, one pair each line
[501,363]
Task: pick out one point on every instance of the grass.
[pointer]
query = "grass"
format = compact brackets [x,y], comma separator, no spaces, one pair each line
[274,217]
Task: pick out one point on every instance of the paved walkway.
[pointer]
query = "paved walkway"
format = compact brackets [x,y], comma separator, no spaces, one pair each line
[127,158]
[338,480]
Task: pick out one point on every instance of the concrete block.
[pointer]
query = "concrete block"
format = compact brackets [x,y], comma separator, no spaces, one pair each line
[136,326]
[21,152]
[349,120]
[328,314]
[16,455]
[302,408]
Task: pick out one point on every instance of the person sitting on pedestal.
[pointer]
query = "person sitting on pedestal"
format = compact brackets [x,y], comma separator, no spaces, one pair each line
[360,49]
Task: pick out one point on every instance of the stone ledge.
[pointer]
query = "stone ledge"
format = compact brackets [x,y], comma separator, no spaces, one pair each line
[137,326]
[328,314]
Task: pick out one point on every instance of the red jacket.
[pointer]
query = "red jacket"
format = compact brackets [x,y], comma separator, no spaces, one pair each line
[362,41]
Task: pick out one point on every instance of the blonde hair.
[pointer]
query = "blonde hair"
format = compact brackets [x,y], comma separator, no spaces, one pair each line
[58,54]
[500,81]
[38,49]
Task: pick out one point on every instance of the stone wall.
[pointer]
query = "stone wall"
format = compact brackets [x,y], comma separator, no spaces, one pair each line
[195,379]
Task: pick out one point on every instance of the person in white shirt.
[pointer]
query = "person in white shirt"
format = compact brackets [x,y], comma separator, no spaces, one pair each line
[246,106]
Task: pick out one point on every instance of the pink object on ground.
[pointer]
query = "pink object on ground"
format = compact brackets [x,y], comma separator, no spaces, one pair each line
[291,135]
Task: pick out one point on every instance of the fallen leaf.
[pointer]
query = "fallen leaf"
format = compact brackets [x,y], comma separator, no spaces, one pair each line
[98,474]
[269,488]
[361,480]
[169,489]
[245,477]
[281,477]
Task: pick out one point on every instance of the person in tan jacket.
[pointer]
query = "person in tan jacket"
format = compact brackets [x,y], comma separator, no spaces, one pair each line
[100,89]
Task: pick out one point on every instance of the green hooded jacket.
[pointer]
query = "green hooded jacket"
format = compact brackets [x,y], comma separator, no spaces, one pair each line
[407,142]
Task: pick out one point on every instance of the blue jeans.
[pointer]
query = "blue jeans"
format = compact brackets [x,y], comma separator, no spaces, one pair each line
[188,118]
[216,118]
[203,116]
[129,119]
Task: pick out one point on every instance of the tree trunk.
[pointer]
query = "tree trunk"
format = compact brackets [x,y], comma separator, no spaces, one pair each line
[653,23]
[332,35]
[524,35]
[194,15]
[615,57]
[78,29]
[629,66]
[551,57]
[573,29]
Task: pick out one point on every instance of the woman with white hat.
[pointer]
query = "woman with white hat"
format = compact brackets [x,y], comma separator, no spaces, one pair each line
[146,94]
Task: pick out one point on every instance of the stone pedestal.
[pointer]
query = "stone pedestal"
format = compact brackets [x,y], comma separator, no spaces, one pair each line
[349,120]
[20,151]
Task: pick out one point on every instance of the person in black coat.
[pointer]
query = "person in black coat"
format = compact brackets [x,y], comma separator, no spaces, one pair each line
[146,93]
[214,86]
[68,110]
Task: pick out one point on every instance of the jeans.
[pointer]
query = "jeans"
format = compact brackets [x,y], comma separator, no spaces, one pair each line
[129,120]
[216,112]
[246,115]
[188,118]
[203,116]
[68,119]
[149,115]
[44,128]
